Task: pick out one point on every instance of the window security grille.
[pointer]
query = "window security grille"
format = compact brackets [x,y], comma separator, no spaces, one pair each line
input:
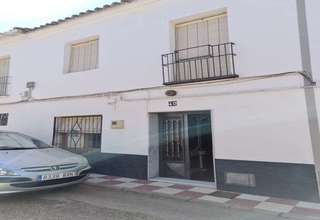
[79,134]
[4,119]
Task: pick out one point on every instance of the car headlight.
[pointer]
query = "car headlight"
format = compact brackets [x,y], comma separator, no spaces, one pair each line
[6,172]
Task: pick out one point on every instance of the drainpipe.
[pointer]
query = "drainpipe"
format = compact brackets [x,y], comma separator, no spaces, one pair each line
[310,96]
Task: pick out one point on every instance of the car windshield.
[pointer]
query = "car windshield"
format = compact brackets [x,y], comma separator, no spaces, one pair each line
[15,141]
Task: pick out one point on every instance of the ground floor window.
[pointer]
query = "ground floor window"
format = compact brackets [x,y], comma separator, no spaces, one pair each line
[4,119]
[80,134]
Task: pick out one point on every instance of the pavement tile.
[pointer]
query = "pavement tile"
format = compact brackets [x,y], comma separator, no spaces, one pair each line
[180,186]
[203,190]
[214,199]
[146,188]
[161,184]
[243,203]
[223,194]
[274,207]
[125,179]
[253,197]
[303,212]
[189,195]
[129,185]
[96,175]
[112,182]
[283,201]
[110,177]
[309,205]
[235,200]
[169,191]
[95,180]
[142,181]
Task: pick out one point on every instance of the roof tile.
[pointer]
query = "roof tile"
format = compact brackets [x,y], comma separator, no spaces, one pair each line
[27,30]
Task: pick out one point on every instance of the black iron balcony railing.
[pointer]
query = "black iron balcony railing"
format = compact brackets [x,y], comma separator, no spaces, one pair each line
[203,63]
[4,81]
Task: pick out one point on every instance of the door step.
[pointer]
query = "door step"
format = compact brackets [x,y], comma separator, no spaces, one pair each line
[185,182]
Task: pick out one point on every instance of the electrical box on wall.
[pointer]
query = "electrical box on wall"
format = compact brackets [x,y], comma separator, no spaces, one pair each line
[117,124]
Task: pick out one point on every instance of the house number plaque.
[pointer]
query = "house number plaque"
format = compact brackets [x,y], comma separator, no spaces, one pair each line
[172,103]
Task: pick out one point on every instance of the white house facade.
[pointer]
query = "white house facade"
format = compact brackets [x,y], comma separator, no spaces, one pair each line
[220,91]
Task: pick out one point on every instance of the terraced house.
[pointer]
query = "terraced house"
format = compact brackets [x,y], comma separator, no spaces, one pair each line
[219,91]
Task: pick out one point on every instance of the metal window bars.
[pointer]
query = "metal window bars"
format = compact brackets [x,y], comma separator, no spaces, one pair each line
[79,134]
[202,63]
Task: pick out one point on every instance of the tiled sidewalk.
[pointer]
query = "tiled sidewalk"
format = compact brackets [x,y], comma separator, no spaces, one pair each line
[277,206]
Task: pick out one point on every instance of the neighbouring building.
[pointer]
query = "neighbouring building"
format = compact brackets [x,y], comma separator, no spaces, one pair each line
[222,91]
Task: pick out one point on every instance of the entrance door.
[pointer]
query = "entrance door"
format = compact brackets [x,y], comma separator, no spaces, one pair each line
[173,160]
[200,147]
[186,146]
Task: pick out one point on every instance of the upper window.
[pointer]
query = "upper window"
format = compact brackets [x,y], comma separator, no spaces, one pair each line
[201,32]
[83,56]
[4,74]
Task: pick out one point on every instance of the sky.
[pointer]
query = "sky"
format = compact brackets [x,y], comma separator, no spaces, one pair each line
[31,13]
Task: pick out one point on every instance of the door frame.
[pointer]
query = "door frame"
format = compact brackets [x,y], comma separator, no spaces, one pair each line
[185,114]
[212,113]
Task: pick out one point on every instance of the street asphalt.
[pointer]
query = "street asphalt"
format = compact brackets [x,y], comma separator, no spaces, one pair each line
[95,203]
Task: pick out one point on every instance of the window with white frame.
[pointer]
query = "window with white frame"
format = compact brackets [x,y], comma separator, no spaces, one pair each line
[4,75]
[202,49]
[83,56]
[201,32]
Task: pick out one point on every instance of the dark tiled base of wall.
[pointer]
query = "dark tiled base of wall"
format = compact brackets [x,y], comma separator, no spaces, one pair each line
[286,180]
[132,166]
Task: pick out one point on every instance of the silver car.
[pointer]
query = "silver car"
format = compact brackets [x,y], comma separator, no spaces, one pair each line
[28,164]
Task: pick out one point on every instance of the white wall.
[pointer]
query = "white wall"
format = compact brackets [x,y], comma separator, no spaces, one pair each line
[37,119]
[133,36]
[254,125]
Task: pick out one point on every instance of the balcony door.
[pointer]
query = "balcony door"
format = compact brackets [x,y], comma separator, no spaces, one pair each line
[4,75]
[205,31]
[196,59]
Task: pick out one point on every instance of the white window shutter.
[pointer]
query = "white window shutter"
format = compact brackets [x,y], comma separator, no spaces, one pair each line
[203,38]
[223,29]
[84,56]
[94,54]
[4,66]
[203,35]
[194,36]
[213,29]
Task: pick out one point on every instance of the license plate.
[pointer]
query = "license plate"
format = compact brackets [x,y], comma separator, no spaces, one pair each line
[55,176]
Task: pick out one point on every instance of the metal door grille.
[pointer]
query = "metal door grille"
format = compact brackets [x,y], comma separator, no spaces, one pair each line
[173,149]
[78,134]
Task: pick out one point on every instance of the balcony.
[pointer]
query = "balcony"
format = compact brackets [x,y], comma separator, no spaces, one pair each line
[196,64]
[4,80]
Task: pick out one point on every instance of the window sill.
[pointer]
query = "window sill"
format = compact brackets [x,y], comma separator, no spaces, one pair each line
[79,72]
